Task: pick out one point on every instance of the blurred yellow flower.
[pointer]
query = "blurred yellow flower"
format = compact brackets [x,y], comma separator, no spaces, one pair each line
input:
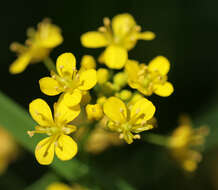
[120,79]
[100,139]
[128,119]
[118,37]
[124,95]
[68,80]
[151,78]
[57,129]
[182,145]
[39,44]
[8,149]
[94,112]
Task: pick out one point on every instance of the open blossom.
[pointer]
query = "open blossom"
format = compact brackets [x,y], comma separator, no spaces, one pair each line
[151,78]
[119,36]
[37,47]
[68,80]
[127,120]
[183,144]
[57,128]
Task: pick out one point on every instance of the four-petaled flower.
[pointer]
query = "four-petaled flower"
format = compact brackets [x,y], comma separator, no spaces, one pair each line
[128,119]
[118,37]
[57,129]
[68,80]
[151,78]
[38,45]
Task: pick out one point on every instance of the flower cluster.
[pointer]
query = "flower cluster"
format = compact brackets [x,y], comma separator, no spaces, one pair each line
[112,95]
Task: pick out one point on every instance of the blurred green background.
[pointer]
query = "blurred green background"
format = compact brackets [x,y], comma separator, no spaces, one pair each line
[186,34]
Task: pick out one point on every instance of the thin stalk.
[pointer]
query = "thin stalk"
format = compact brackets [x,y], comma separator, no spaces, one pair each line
[49,64]
[156,139]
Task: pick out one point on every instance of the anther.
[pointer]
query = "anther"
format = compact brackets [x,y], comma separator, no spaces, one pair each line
[30,133]
[106,21]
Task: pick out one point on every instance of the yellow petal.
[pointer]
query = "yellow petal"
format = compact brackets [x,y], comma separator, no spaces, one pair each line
[115,109]
[41,112]
[66,64]
[51,37]
[132,68]
[50,86]
[20,64]
[115,57]
[160,64]
[88,79]
[72,99]
[122,24]
[66,148]
[44,151]
[93,40]
[143,108]
[164,90]
[58,186]
[64,113]
[148,35]
[88,62]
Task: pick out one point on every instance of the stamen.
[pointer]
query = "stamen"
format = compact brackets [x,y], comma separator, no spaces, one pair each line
[31,133]
[102,29]
[137,136]
[106,21]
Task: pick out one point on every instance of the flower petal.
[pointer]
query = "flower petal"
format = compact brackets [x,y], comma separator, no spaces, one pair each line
[44,151]
[41,112]
[93,40]
[50,36]
[50,86]
[160,64]
[115,109]
[122,24]
[164,90]
[132,68]
[20,64]
[147,35]
[88,79]
[66,64]
[143,108]
[72,99]
[66,148]
[115,57]
[64,113]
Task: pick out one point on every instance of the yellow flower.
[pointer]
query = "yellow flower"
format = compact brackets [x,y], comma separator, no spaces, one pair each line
[39,44]
[57,129]
[102,75]
[118,37]
[151,78]
[183,142]
[94,112]
[68,80]
[128,120]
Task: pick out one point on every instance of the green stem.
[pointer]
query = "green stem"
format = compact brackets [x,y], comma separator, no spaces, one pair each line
[49,64]
[156,139]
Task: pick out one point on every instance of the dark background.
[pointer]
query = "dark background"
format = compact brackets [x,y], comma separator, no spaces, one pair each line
[186,34]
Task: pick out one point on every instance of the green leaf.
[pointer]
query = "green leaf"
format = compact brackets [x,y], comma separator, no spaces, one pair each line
[43,182]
